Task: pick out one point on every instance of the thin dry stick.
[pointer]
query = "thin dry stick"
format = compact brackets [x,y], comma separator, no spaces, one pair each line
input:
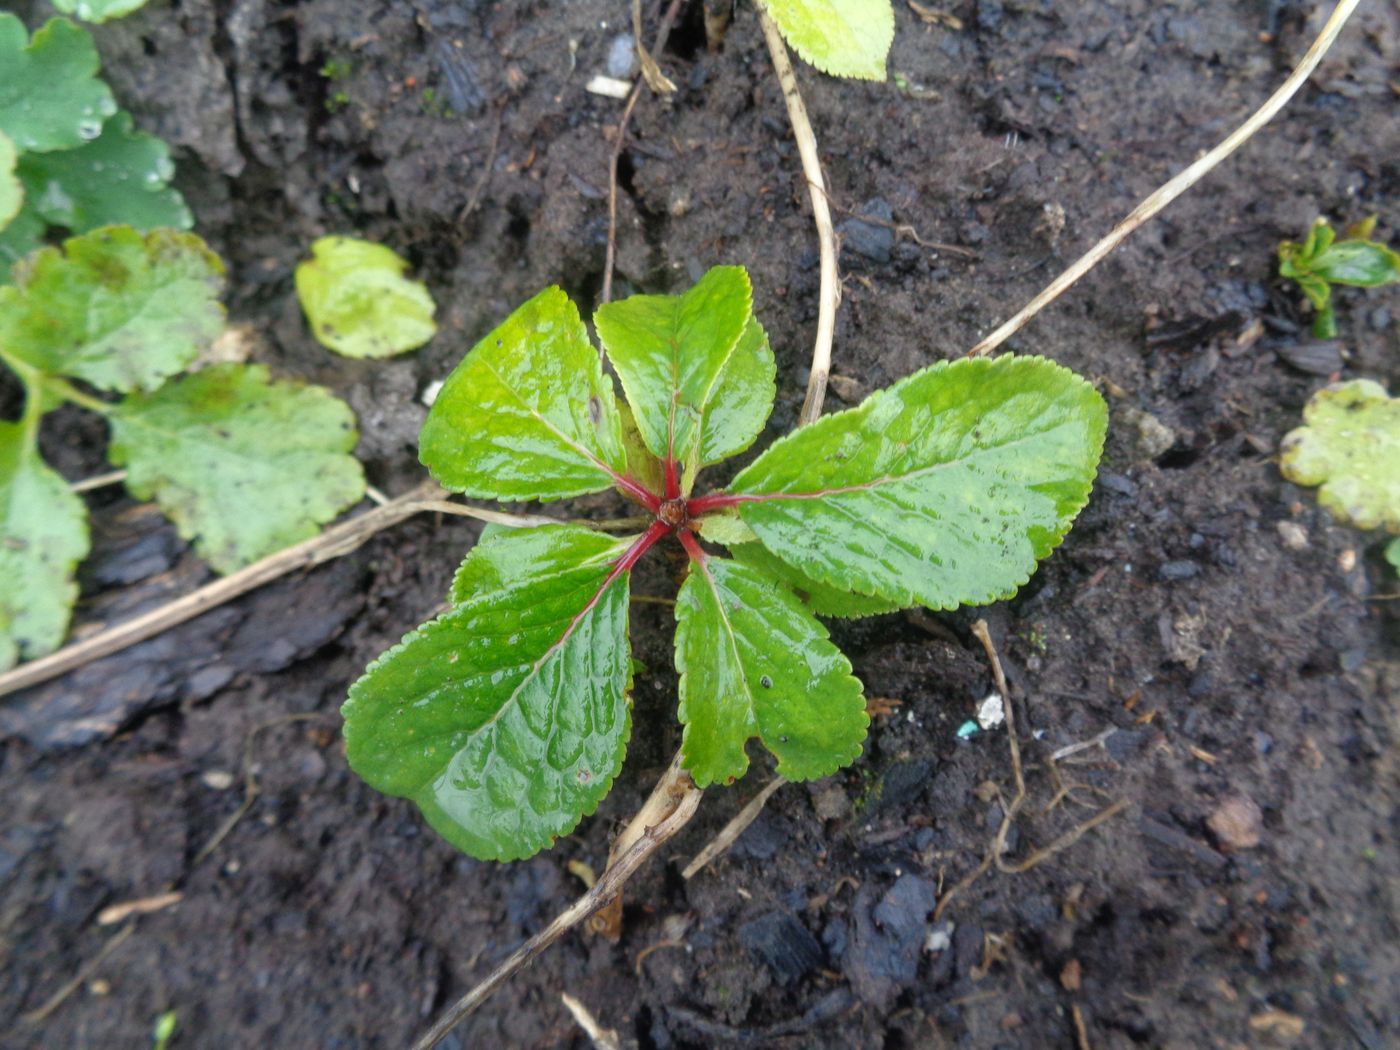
[334,542]
[59,997]
[829,295]
[601,1038]
[1175,187]
[731,831]
[610,256]
[101,481]
[670,807]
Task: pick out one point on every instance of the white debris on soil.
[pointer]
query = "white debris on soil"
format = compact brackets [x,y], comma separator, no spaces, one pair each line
[430,392]
[609,86]
[991,712]
[217,779]
[940,938]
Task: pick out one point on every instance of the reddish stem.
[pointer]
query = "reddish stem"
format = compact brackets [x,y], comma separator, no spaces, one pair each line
[640,546]
[692,546]
[716,501]
[634,489]
[673,481]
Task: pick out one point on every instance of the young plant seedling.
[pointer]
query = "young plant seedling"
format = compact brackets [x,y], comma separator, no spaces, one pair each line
[243,465]
[77,160]
[506,718]
[358,301]
[1322,261]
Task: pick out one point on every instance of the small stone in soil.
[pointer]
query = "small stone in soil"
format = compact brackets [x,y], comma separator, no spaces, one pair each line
[872,240]
[1237,823]
[783,944]
[1292,535]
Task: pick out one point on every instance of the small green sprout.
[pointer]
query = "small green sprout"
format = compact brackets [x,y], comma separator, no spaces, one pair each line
[1322,261]
[163,1031]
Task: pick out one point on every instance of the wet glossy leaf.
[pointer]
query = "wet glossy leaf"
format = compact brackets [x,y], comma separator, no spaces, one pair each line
[742,399]
[846,38]
[528,414]
[944,489]
[822,598]
[11,192]
[242,465]
[23,235]
[98,10]
[754,662]
[1362,264]
[506,719]
[116,308]
[358,301]
[1350,446]
[43,536]
[120,177]
[50,97]
[671,353]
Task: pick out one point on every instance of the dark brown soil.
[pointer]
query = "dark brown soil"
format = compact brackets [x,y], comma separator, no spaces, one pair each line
[1233,667]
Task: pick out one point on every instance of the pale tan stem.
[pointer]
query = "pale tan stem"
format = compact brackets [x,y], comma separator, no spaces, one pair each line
[829,295]
[730,833]
[1178,185]
[670,807]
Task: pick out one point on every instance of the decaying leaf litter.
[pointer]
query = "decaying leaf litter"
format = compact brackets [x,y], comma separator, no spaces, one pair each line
[1082,646]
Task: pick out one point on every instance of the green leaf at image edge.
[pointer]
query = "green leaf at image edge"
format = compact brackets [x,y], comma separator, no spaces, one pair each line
[50,97]
[11,192]
[115,308]
[244,466]
[944,489]
[358,301]
[99,11]
[528,413]
[1392,553]
[507,718]
[754,662]
[1349,445]
[43,536]
[845,38]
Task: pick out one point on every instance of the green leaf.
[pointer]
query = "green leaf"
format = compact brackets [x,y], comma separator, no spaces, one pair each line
[120,177]
[528,414]
[1350,445]
[821,598]
[24,234]
[115,308]
[671,353]
[1392,553]
[641,464]
[50,97]
[243,466]
[845,38]
[1362,264]
[944,489]
[742,399]
[726,528]
[754,662]
[43,536]
[358,301]
[11,192]
[506,719]
[98,10]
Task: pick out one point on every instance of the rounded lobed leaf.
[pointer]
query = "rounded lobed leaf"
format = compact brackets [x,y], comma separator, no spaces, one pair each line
[50,97]
[944,489]
[507,718]
[358,301]
[43,536]
[242,465]
[1349,444]
[845,38]
[753,662]
[528,413]
[122,176]
[115,308]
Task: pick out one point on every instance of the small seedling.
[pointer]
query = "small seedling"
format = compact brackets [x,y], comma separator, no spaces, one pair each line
[1349,445]
[845,38]
[506,718]
[77,161]
[98,11]
[1322,261]
[358,301]
[164,1030]
[243,465]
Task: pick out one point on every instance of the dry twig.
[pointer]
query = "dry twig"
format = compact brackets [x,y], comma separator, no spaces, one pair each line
[829,295]
[731,831]
[1178,185]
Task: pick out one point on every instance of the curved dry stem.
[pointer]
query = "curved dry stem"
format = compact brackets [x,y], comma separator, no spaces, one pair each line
[1175,187]
[829,295]
[670,807]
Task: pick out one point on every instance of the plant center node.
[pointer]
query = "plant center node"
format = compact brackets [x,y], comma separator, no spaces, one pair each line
[673,512]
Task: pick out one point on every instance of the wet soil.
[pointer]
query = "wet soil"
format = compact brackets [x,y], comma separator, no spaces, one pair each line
[1238,643]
